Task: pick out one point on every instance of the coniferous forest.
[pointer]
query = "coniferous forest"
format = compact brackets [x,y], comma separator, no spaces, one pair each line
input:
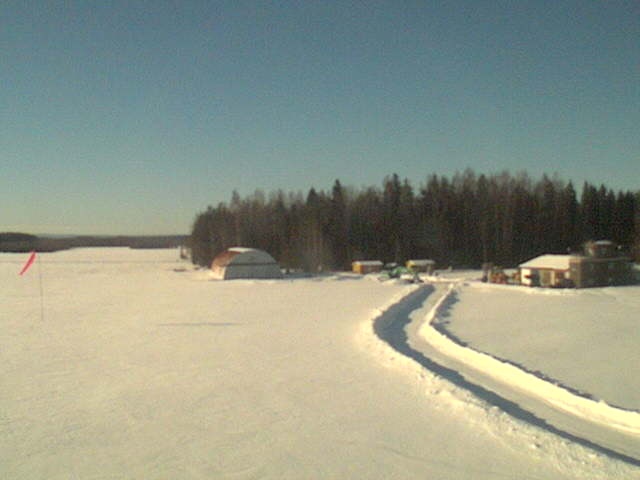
[461,221]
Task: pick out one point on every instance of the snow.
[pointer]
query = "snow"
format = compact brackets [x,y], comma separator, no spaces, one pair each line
[535,386]
[242,249]
[585,338]
[421,263]
[132,364]
[555,262]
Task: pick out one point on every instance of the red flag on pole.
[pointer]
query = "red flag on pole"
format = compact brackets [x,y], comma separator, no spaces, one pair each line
[32,259]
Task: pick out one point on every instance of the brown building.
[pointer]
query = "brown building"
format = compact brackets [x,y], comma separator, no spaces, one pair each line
[366,266]
[423,266]
[601,265]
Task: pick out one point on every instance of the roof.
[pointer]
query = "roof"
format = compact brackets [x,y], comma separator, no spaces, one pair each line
[422,262]
[368,262]
[552,262]
[241,249]
[243,256]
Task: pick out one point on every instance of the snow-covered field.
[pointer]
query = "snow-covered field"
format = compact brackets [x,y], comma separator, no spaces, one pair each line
[119,363]
[587,339]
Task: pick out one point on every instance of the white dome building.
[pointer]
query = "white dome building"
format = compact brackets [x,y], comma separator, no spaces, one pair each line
[239,262]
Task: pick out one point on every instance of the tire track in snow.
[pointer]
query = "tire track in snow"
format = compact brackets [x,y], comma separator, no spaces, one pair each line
[390,327]
[442,326]
[535,385]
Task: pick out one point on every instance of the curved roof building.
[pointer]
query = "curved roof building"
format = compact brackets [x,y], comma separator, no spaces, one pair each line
[240,262]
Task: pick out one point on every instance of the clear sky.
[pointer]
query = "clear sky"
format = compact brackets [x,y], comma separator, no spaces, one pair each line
[130,117]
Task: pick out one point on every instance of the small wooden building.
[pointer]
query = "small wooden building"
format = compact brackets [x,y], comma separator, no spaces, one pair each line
[545,271]
[366,266]
[422,266]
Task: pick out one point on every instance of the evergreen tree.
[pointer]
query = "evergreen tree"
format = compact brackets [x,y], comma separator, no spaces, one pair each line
[338,227]
[569,218]
[589,212]
[481,211]
[390,234]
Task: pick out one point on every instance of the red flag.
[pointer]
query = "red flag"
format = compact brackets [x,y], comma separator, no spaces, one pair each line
[32,259]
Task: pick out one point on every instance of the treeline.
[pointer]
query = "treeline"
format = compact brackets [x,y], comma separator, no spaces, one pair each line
[461,221]
[22,242]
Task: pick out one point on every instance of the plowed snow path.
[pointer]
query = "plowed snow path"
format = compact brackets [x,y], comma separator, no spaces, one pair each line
[519,393]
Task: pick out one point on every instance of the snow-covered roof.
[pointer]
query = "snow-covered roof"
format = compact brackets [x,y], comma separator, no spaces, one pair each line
[550,261]
[242,256]
[241,249]
[368,262]
[422,262]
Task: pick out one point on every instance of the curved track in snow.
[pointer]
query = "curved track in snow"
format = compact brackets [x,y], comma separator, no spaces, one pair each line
[406,327]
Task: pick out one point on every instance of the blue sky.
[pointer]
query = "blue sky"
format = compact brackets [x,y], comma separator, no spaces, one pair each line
[131,117]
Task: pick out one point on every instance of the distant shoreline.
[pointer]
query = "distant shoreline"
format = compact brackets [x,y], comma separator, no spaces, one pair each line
[16,242]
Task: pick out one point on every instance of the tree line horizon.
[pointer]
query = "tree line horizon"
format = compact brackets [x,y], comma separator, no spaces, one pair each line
[462,221]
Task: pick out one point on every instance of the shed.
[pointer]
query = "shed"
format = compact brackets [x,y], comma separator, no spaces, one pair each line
[240,262]
[366,266]
[545,271]
[422,265]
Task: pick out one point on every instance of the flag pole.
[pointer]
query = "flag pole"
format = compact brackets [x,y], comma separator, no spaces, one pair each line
[35,258]
[41,290]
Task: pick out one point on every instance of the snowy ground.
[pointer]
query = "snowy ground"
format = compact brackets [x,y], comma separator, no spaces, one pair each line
[133,365]
[586,339]
[524,392]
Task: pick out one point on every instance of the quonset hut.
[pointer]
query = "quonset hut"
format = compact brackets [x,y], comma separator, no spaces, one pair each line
[240,262]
